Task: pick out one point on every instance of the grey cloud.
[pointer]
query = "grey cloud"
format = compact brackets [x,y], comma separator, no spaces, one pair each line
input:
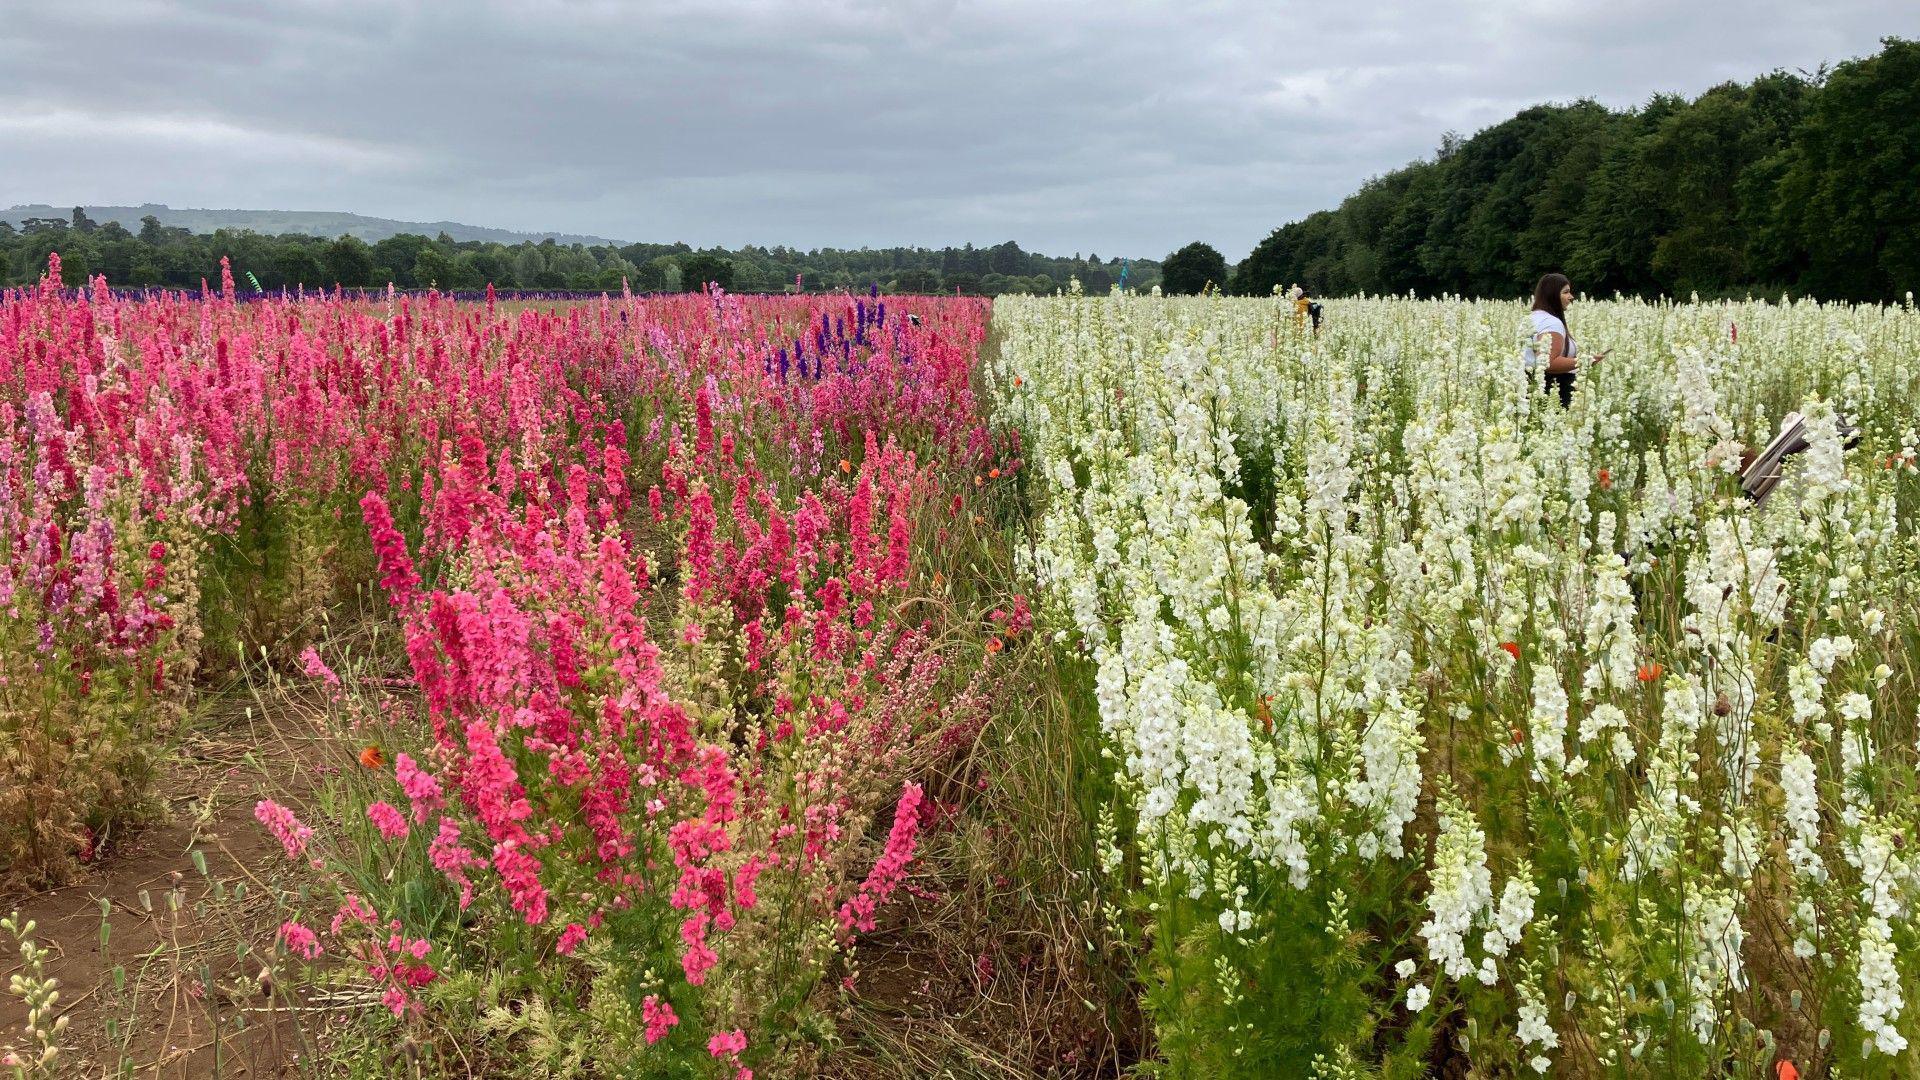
[1118,127]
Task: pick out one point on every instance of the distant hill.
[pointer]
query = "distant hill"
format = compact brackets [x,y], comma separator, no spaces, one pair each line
[305,222]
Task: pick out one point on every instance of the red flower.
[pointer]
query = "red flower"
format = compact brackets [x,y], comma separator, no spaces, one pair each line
[1606,480]
[1649,672]
[1786,1071]
[1510,649]
[370,757]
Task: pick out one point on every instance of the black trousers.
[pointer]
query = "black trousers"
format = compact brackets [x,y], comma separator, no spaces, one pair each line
[1562,382]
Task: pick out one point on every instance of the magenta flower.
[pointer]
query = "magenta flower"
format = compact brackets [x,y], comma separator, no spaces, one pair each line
[421,789]
[391,823]
[284,826]
[659,1018]
[300,941]
[315,668]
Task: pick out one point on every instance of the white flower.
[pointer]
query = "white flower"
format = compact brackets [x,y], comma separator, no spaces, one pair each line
[1880,998]
[1548,723]
[1856,708]
[1827,651]
[1799,787]
[1460,888]
[1417,997]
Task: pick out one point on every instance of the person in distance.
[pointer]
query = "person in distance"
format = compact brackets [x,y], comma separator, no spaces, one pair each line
[1551,345]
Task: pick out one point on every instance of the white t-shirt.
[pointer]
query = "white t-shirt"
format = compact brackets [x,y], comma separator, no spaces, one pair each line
[1543,322]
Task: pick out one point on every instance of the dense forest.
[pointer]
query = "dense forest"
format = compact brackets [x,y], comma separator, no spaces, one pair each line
[1808,184]
[160,254]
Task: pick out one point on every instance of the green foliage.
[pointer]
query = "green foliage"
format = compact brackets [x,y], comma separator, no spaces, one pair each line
[698,271]
[1784,184]
[1192,269]
[348,262]
[162,254]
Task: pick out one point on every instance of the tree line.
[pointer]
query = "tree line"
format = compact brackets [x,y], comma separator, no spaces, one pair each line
[1792,183]
[173,256]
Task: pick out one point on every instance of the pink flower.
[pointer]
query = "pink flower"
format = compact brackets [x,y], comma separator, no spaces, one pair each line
[315,668]
[420,786]
[391,547]
[659,1018]
[727,1043]
[284,826]
[353,910]
[391,823]
[395,999]
[300,941]
[570,939]
[451,857]
[857,913]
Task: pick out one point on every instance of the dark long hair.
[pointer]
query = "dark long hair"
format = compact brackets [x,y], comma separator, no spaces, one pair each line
[1546,297]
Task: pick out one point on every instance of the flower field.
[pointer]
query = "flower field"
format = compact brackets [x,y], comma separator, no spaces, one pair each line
[1450,730]
[645,624]
[678,678]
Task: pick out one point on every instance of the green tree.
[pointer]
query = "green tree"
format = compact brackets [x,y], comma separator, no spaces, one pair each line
[916,281]
[697,271]
[401,252]
[1192,269]
[349,262]
[298,265]
[1848,194]
[431,267]
[964,282]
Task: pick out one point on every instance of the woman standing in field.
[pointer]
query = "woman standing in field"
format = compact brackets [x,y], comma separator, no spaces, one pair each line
[1559,354]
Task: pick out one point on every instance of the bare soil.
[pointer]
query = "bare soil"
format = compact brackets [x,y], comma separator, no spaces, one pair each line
[185,1002]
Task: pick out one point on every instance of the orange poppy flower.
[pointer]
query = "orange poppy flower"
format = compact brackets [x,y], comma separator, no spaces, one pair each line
[994,473]
[1016,380]
[1786,1071]
[995,645]
[845,465]
[978,479]
[1510,649]
[1649,672]
[370,757]
[1606,480]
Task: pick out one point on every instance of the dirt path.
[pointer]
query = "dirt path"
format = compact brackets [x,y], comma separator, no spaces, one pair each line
[171,988]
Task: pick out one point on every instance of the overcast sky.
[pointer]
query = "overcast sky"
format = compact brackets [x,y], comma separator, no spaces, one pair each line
[1109,127]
